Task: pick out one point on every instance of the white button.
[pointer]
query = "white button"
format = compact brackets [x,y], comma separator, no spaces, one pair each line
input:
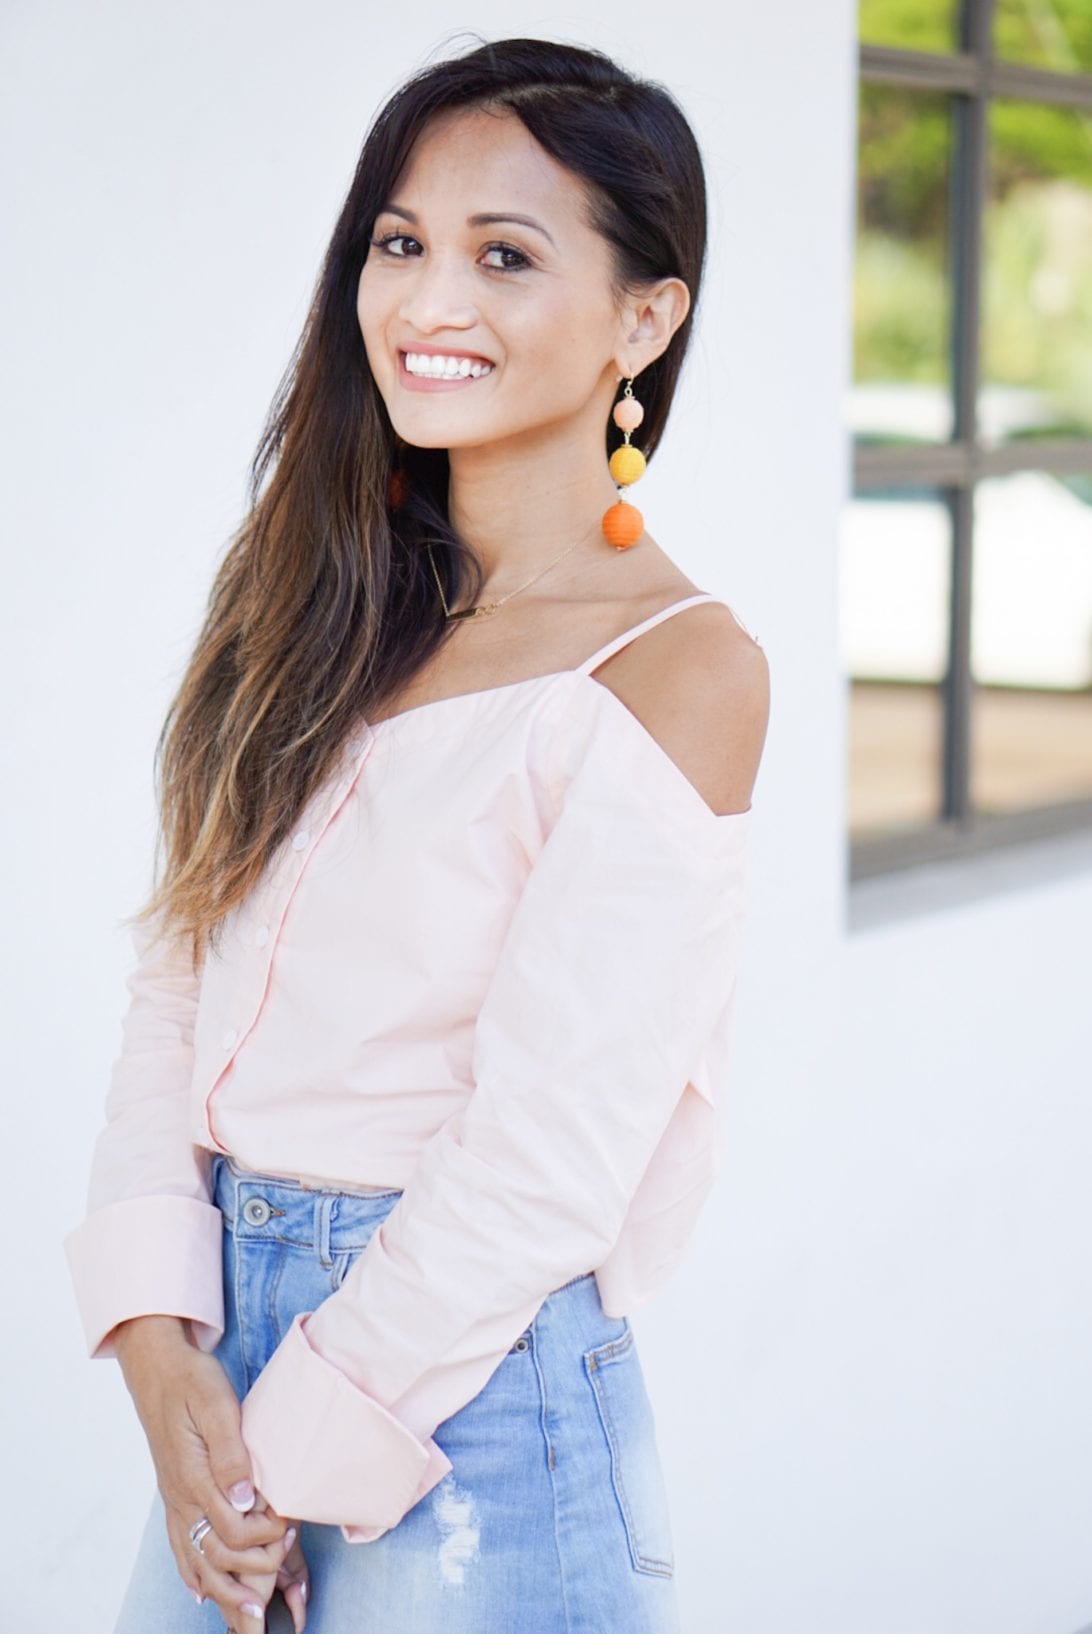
[300,840]
[261,936]
[256,1211]
[229,1037]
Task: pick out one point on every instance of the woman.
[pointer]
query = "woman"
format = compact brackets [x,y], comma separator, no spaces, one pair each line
[416,1096]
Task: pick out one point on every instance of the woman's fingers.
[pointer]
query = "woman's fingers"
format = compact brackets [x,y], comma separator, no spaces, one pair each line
[239,1604]
[256,1560]
[294,1582]
[295,1598]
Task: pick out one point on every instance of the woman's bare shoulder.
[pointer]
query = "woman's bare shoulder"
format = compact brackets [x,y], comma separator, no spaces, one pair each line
[699,683]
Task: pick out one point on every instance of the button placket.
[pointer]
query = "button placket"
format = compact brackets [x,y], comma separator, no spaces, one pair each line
[302,846]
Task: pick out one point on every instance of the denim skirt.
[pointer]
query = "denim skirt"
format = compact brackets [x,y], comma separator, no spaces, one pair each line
[553,1518]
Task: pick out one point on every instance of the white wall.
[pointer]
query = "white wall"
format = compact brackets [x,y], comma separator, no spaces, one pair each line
[870,1377]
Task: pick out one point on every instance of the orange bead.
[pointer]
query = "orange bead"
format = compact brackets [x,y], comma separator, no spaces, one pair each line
[623,525]
[627,464]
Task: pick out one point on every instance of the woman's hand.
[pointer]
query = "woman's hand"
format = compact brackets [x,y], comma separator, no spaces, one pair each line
[191,1417]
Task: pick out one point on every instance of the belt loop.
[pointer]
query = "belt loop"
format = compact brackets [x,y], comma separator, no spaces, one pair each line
[323,1206]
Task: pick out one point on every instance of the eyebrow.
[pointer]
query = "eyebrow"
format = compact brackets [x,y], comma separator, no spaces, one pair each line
[483,219]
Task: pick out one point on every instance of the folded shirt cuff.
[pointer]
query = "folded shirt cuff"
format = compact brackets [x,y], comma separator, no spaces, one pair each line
[322,1449]
[148,1256]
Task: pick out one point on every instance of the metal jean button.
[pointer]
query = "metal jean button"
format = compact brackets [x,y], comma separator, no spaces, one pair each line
[256,1211]
[522,1343]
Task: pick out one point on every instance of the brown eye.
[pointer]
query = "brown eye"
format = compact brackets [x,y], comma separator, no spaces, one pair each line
[509,249]
[387,239]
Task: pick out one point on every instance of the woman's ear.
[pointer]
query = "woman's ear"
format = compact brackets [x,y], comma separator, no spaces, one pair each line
[650,322]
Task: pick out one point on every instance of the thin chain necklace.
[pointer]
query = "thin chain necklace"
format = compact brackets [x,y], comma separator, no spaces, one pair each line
[485,608]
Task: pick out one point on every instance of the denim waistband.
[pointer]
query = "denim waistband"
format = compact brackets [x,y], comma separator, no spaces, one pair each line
[270,1207]
[283,1210]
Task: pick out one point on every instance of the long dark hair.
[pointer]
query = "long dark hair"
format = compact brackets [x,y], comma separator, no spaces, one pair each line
[325,601]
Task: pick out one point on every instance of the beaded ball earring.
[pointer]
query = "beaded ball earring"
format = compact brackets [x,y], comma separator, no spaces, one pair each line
[623,523]
[397,488]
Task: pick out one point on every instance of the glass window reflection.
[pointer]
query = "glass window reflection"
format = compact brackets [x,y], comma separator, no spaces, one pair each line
[902,293]
[895,577]
[1031,642]
[1037,298]
[915,25]
[1054,34]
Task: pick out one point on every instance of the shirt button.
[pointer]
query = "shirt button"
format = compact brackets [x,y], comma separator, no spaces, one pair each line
[261,936]
[355,746]
[229,1037]
[300,840]
[256,1211]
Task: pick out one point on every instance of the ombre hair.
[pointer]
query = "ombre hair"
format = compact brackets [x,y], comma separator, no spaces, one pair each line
[325,601]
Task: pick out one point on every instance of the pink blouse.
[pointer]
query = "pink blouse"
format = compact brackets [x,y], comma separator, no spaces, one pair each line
[494,967]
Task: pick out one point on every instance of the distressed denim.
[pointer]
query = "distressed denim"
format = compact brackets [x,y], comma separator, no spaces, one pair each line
[553,1518]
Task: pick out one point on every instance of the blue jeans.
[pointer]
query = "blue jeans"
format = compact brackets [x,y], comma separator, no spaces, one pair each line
[553,1518]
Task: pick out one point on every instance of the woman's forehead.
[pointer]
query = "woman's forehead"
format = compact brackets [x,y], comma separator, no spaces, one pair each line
[473,161]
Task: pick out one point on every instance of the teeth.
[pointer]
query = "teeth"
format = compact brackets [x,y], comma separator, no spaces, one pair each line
[438,366]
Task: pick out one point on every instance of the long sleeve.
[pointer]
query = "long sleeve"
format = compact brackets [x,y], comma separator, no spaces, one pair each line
[614,971]
[151,1239]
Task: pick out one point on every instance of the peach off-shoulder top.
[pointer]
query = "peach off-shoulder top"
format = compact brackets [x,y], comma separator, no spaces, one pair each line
[493,967]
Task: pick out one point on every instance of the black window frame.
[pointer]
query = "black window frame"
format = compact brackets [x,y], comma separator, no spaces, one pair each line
[973,76]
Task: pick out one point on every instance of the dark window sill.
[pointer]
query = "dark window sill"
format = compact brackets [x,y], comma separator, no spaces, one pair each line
[903,876]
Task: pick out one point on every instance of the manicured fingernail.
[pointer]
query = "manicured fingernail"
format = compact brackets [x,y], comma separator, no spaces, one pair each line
[303,1589]
[252,1610]
[242,1496]
[198,1596]
[290,1537]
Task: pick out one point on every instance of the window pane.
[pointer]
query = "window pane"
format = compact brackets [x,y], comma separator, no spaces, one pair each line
[1037,297]
[1031,642]
[895,575]
[1045,34]
[916,25]
[902,378]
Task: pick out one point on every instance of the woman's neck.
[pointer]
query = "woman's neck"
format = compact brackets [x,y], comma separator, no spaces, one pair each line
[518,508]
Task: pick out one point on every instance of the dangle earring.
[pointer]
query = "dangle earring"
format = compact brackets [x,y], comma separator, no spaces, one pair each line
[398,482]
[623,523]
[397,489]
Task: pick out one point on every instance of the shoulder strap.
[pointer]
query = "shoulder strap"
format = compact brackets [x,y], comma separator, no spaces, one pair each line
[627,636]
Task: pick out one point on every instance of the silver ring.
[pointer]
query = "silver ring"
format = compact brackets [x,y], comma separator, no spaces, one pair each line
[201,1527]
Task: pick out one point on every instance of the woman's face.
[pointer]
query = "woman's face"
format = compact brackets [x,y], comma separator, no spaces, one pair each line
[530,298]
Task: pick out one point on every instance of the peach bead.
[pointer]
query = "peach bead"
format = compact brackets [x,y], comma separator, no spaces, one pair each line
[627,464]
[623,525]
[628,414]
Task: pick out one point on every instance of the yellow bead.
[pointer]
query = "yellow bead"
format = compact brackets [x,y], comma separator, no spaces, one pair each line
[623,525]
[627,464]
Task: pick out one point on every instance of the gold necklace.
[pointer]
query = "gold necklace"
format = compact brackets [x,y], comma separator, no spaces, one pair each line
[483,609]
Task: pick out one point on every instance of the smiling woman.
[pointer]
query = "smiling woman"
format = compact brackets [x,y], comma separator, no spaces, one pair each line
[430,1018]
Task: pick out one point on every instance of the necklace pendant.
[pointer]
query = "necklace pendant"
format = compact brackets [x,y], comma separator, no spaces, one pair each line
[483,610]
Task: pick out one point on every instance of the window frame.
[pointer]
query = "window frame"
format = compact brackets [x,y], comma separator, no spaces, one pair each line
[973,76]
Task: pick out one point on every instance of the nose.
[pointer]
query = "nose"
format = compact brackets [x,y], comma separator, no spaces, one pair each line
[435,296]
